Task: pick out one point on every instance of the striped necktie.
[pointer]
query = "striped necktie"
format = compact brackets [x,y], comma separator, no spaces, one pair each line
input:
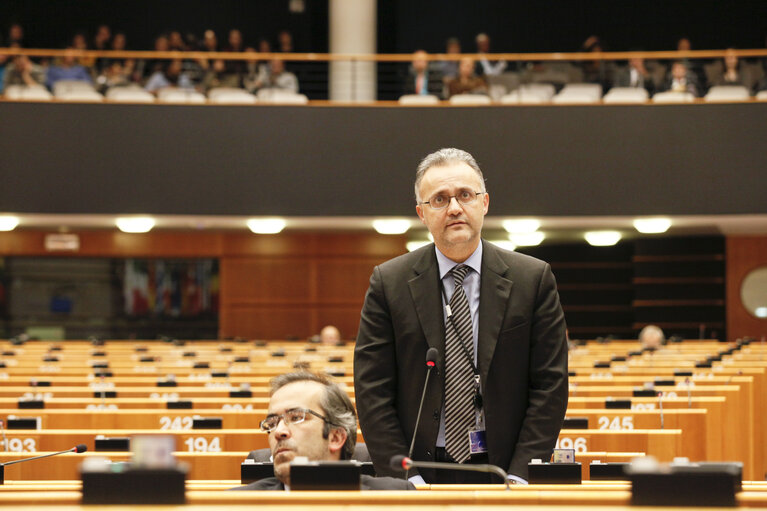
[459,375]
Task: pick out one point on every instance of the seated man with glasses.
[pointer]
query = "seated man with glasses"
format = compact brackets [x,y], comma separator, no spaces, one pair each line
[311,416]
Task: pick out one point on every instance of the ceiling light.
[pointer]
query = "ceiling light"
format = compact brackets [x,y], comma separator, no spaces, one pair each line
[266,225]
[396,226]
[135,224]
[527,239]
[8,223]
[761,312]
[504,244]
[521,225]
[602,238]
[652,225]
[415,245]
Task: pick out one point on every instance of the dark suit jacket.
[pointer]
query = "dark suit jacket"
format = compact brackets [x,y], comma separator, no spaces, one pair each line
[367,483]
[522,359]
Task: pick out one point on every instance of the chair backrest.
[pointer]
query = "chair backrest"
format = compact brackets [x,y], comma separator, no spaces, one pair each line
[65,86]
[418,99]
[545,90]
[129,95]
[761,95]
[90,96]
[626,95]
[172,95]
[587,88]
[673,97]
[469,99]
[727,93]
[231,97]
[22,92]
[283,97]
[579,93]
[225,91]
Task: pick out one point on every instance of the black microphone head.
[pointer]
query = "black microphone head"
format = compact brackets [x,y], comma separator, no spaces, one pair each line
[397,462]
[431,356]
[81,448]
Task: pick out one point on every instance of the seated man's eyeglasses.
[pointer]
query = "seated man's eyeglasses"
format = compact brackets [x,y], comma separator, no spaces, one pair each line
[441,200]
[292,416]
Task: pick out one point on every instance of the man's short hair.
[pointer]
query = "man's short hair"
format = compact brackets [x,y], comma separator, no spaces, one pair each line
[442,158]
[335,403]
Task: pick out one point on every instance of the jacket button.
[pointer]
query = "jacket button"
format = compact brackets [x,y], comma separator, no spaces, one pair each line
[436,415]
[428,453]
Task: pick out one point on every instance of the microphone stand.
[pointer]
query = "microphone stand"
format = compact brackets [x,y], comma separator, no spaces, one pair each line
[430,365]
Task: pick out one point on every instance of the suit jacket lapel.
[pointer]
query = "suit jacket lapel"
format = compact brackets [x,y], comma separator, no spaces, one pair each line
[494,293]
[424,289]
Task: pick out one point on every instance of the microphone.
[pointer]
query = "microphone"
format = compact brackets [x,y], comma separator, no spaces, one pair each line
[400,462]
[78,448]
[660,404]
[431,361]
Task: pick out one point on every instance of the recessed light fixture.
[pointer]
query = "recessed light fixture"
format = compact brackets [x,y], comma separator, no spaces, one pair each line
[504,244]
[266,225]
[652,225]
[521,225]
[415,245]
[602,238]
[761,312]
[392,226]
[8,222]
[135,224]
[527,239]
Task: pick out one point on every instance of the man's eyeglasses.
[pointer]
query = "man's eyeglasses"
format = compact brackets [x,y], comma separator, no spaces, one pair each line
[292,416]
[442,200]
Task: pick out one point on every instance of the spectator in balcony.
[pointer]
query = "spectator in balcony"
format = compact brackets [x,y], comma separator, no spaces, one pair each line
[67,69]
[486,67]
[237,67]
[79,42]
[209,41]
[115,75]
[449,68]
[15,36]
[176,41]
[596,71]
[733,74]
[101,42]
[682,79]
[219,76]
[149,67]
[467,82]
[277,78]
[128,67]
[171,76]
[285,41]
[422,79]
[256,71]
[651,337]
[635,75]
[22,71]
[694,66]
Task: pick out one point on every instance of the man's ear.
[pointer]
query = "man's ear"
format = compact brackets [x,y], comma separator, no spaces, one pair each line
[419,211]
[336,441]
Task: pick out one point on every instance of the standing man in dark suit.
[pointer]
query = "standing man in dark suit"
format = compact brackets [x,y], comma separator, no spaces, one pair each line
[500,391]
[311,416]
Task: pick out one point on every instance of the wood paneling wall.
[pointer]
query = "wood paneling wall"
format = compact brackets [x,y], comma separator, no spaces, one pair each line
[272,286]
[744,254]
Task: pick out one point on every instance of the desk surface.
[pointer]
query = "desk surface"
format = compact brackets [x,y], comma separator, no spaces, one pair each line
[209,495]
